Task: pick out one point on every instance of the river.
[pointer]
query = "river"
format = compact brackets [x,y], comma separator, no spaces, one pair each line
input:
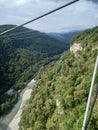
[7,121]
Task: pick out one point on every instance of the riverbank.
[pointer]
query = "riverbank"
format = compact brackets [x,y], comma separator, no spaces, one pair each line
[14,123]
[5,121]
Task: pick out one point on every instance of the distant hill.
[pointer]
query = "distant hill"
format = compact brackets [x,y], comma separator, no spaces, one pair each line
[64,36]
[58,100]
[22,53]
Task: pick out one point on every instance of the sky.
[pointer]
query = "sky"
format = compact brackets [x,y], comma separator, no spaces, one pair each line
[81,15]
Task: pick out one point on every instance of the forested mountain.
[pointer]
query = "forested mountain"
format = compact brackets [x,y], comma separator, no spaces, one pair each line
[65,36]
[22,53]
[58,100]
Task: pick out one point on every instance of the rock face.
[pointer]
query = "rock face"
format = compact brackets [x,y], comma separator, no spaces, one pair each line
[76,47]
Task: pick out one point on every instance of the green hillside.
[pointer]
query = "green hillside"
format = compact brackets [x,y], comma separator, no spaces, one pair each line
[59,98]
[21,59]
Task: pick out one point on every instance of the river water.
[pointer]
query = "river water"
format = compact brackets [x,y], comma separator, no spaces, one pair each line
[5,120]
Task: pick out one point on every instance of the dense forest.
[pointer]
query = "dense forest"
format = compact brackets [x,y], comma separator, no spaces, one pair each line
[22,53]
[58,100]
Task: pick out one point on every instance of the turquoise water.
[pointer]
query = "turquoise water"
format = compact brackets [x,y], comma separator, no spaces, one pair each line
[5,120]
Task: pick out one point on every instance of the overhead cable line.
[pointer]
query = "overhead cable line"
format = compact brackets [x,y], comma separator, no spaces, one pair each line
[17,33]
[50,12]
[21,35]
[26,37]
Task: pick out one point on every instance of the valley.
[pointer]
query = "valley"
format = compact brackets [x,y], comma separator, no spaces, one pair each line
[22,53]
[62,73]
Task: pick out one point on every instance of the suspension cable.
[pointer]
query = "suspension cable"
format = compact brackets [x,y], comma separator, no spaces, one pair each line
[92,107]
[50,12]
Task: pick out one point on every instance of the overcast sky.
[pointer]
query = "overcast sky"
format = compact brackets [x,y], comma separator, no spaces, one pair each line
[80,15]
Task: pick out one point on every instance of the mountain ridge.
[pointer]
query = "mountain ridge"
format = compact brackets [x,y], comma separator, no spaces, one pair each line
[67,36]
